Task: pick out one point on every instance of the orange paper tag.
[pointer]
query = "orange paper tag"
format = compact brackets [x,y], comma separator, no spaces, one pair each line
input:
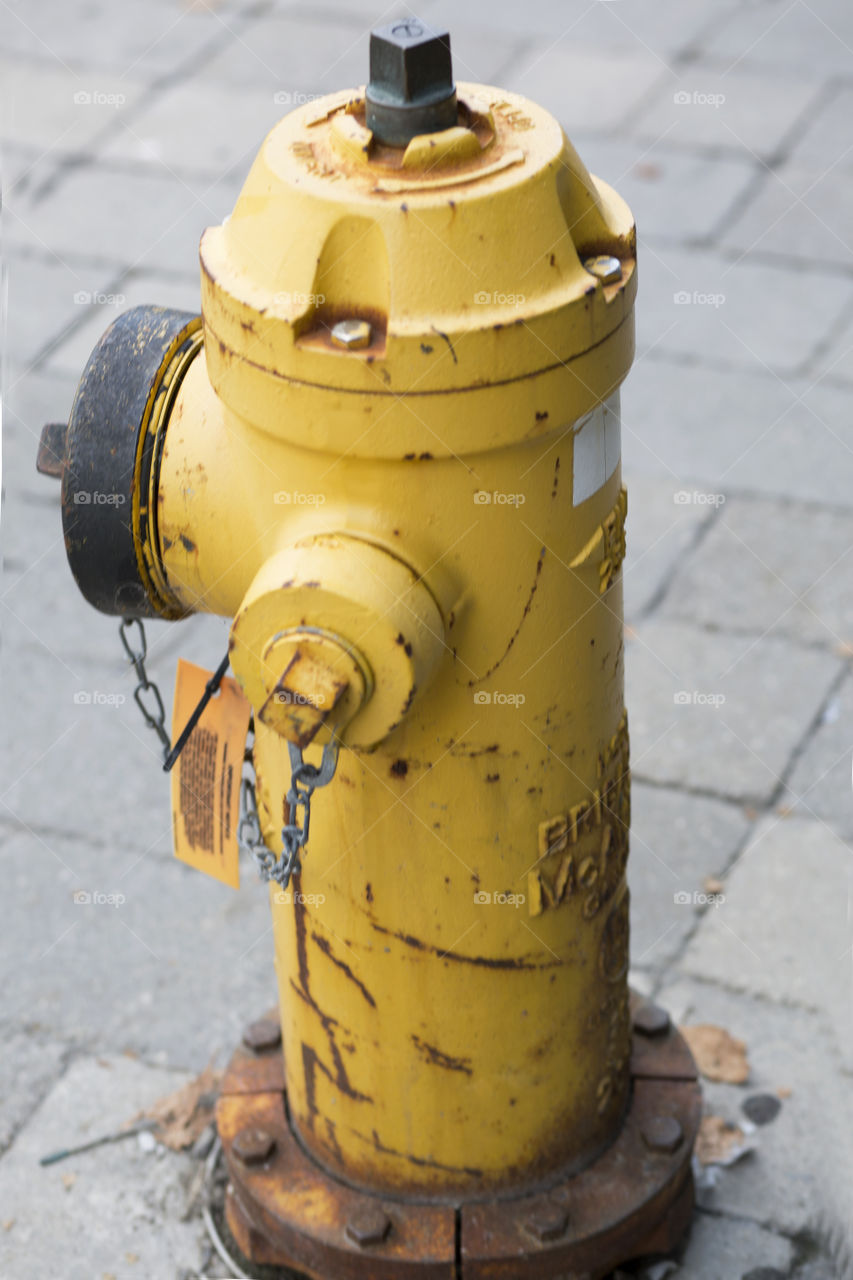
[206,777]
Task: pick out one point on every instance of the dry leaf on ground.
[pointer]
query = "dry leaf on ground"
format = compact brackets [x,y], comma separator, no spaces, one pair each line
[719,1142]
[181,1116]
[719,1056]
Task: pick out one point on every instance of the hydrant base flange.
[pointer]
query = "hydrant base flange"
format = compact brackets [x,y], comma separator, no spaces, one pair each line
[636,1199]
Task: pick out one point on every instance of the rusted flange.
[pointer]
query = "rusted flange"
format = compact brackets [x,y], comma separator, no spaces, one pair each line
[635,1199]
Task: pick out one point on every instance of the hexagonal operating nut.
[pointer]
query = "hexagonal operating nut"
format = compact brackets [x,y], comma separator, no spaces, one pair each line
[411,89]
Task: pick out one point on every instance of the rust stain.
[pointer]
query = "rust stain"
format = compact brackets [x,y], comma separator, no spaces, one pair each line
[325,947]
[529,604]
[406,644]
[439,1059]
[311,1062]
[410,699]
[447,340]
[188,544]
[399,768]
[485,962]
[422,1163]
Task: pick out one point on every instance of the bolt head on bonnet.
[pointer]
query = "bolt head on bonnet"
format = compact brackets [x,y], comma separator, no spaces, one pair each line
[352,335]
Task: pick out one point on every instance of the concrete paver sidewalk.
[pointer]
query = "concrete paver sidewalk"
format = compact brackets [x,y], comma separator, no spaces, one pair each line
[125,131]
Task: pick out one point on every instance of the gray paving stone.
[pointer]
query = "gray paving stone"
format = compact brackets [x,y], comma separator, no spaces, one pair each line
[776,568]
[656,26]
[140,219]
[798,215]
[676,841]
[30,402]
[29,1067]
[298,54]
[819,785]
[737,748]
[660,531]
[21,168]
[138,39]
[773,1184]
[800,1177]
[723,1248]
[74,758]
[116,1210]
[772,35]
[836,364]
[747,314]
[166,133]
[721,430]
[53,108]
[588,91]
[139,288]
[742,110]
[116,948]
[792,882]
[825,144]
[674,195]
[62,288]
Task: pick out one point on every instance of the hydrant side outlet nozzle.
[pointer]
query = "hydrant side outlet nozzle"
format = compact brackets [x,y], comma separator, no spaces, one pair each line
[111,461]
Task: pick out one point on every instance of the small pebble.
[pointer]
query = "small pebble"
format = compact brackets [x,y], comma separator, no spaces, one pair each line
[147,1142]
[761,1108]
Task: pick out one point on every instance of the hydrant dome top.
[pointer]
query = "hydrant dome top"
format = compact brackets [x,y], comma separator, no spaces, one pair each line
[464,251]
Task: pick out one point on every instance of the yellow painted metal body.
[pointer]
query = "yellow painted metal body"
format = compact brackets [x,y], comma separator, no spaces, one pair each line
[442,511]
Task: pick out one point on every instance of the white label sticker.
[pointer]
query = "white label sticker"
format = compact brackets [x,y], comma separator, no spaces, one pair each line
[597,449]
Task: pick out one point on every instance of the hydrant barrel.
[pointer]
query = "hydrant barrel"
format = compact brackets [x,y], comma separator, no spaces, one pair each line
[392,455]
[453,958]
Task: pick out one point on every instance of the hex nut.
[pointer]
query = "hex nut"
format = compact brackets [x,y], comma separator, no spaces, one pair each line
[651,1020]
[548,1222]
[352,335]
[663,1134]
[262,1035]
[605,268]
[253,1146]
[368,1225]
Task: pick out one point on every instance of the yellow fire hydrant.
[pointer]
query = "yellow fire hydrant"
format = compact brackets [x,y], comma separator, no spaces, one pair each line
[390,451]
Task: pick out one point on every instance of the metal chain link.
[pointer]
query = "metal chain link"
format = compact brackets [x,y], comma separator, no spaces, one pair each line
[156,717]
[304,781]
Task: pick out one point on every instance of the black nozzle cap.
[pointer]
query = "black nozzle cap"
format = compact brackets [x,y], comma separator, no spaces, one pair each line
[107,453]
[411,87]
